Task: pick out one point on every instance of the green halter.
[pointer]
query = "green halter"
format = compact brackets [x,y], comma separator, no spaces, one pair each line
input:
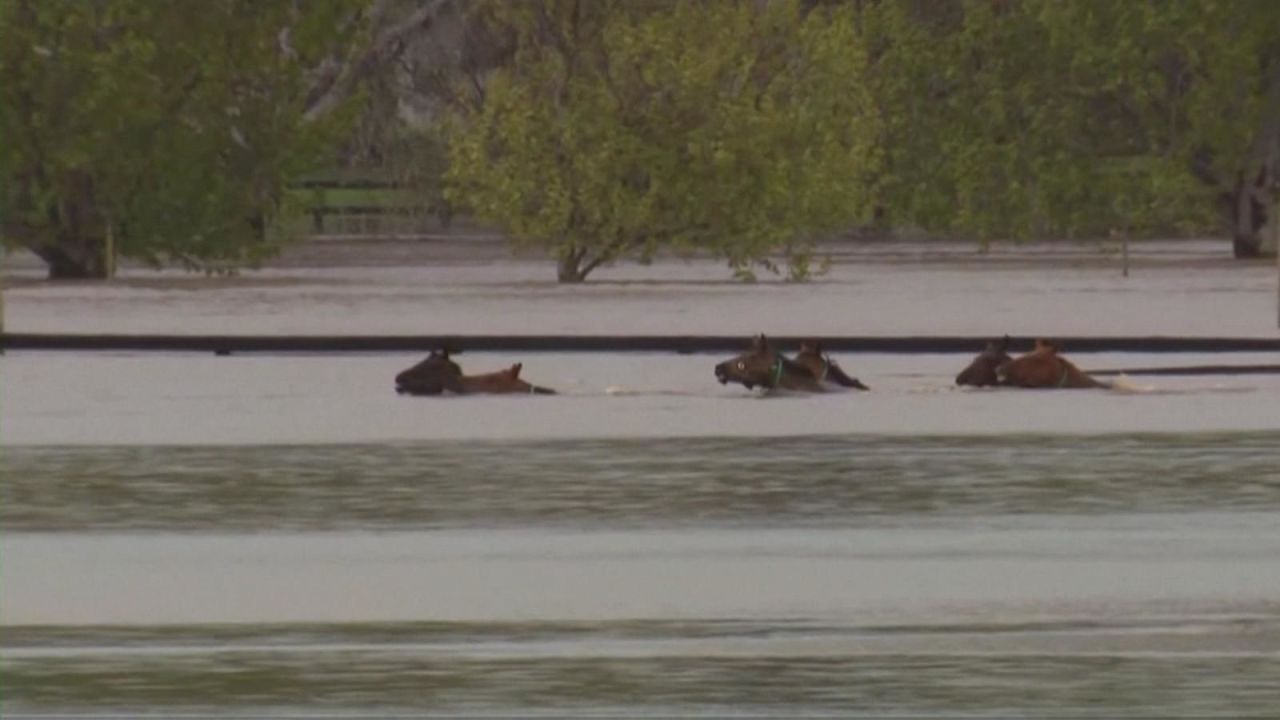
[777,372]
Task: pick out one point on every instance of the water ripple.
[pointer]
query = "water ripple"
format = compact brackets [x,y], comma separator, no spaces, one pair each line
[796,481]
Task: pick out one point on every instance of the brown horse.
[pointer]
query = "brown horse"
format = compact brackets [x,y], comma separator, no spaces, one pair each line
[429,377]
[982,371]
[821,366]
[501,382]
[1043,367]
[438,374]
[764,367]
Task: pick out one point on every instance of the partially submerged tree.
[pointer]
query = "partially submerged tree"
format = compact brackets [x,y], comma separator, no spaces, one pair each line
[623,128]
[1043,118]
[133,128]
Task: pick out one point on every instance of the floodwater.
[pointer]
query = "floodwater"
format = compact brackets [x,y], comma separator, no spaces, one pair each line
[282,535]
[428,288]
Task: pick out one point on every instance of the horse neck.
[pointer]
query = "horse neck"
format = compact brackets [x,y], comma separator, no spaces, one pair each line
[791,371]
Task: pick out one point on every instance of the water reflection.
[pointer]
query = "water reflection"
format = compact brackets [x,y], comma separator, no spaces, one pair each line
[817,480]
[603,674]
[986,576]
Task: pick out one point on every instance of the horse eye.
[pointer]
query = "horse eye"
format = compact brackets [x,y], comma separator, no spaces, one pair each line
[742,365]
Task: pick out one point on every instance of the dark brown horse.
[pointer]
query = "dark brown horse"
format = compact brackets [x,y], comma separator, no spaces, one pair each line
[1043,367]
[429,377]
[982,371]
[823,367]
[501,382]
[762,366]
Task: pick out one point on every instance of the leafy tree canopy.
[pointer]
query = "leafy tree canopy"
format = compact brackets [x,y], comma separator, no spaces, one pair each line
[1072,118]
[621,128]
[160,129]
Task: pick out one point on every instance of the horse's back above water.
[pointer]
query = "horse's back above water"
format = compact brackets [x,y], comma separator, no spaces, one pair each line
[1044,368]
[437,374]
[502,382]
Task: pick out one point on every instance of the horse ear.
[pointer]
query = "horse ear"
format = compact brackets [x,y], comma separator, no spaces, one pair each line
[1004,343]
[515,370]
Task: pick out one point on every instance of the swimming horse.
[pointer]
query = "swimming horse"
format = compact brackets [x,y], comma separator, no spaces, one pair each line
[1042,368]
[762,366]
[821,366]
[438,374]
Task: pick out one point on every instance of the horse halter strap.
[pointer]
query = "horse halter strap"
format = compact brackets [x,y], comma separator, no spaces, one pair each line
[777,372]
[826,368]
[1062,381]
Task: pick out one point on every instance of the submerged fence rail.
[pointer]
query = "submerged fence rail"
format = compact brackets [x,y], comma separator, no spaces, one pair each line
[916,344]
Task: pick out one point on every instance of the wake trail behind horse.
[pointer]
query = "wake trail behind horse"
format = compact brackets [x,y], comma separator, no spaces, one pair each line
[1124,383]
[623,391]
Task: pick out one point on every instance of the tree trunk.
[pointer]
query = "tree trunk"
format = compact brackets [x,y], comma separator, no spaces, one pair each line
[1248,213]
[79,246]
[576,264]
[1253,191]
[570,269]
[75,258]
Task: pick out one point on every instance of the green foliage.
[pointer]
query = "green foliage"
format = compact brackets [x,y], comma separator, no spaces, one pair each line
[617,128]
[172,130]
[1049,118]
[745,129]
[623,128]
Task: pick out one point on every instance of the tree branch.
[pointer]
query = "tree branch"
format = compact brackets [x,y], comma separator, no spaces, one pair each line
[336,84]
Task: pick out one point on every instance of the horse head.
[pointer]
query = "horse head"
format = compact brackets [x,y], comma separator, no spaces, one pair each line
[759,365]
[985,368]
[432,376]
